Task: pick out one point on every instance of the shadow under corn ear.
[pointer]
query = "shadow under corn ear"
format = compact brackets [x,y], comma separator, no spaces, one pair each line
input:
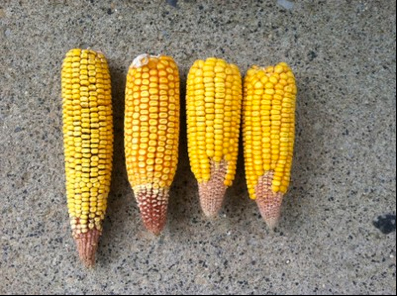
[183,203]
[121,206]
[308,156]
[237,203]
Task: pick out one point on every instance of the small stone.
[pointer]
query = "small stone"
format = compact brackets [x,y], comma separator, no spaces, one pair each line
[173,3]
[288,5]
[386,223]
[312,55]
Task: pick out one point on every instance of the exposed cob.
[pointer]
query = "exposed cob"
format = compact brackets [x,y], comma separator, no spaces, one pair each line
[269,131]
[88,145]
[151,134]
[214,96]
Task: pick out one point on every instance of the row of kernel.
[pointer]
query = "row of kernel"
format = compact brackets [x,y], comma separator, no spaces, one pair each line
[286,91]
[196,126]
[191,124]
[233,81]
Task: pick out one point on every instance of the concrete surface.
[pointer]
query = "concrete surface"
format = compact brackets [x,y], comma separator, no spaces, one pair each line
[343,54]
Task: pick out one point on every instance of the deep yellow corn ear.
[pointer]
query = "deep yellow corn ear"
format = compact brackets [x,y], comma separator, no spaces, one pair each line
[88,145]
[151,134]
[269,133]
[214,97]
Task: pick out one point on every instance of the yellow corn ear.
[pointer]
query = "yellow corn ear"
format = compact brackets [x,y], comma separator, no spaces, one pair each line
[268,133]
[214,97]
[151,134]
[88,145]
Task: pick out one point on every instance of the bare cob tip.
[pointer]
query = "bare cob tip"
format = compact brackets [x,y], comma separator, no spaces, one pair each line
[155,230]
[153,204]
[268,201]
[87,244]
[271,223]
[211,198]
[270,208]
[212,193]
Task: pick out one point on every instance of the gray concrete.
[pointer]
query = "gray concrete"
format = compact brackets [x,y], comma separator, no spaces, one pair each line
[343,54]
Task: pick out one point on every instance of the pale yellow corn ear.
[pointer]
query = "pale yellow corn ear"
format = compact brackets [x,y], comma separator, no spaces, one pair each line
[214,98]
[88,145]
[269,133]
[151,134]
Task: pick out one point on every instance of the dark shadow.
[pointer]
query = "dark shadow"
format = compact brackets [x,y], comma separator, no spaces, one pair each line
[309,156]
[184,202]
[120,206]
[237,200]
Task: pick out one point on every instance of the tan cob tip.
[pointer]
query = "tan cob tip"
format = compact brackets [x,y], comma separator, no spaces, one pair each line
[212,193]
[269,202]
[87,244]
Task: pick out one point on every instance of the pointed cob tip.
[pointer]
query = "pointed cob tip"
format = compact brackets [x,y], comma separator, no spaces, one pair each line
[211,214]
[271,223]
[87,244]
[154,229]
[153,204]
[270,208]
[268,201]
[154,222]
[212,192]
[211,200]
[154,218]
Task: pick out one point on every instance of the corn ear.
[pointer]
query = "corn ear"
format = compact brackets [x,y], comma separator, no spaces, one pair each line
[88,145]
[214,97]
[151,134]
[269,133]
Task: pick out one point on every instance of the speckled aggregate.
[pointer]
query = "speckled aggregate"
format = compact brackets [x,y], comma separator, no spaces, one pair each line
[343,177]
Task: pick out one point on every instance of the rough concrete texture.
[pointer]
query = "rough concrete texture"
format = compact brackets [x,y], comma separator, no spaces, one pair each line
[344,176]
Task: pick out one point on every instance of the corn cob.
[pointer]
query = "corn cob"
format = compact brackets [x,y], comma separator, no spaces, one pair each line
[88,145]
[151,134]
[214,97]
[268,132]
